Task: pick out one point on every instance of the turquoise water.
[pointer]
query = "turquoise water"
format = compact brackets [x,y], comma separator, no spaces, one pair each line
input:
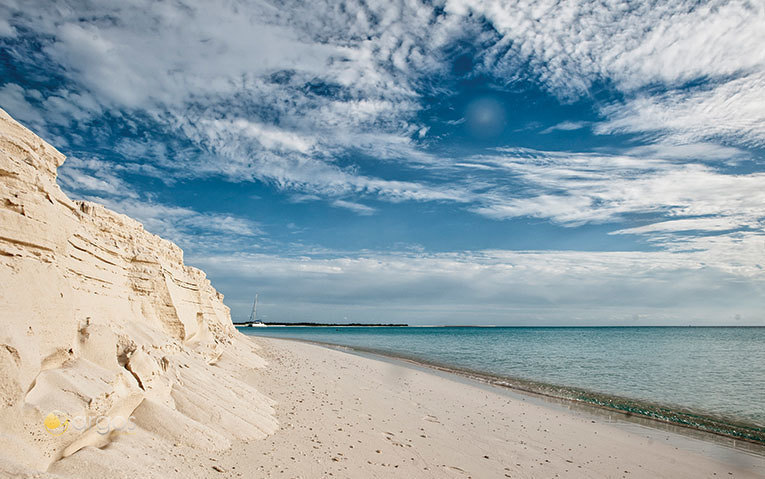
[709,378]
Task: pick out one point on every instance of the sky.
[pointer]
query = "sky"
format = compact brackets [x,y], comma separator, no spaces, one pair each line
[546,162]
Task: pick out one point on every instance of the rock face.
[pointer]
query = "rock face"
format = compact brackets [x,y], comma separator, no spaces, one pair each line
[101,319]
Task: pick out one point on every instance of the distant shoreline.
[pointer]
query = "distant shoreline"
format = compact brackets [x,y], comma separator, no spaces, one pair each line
[405,325]
[333,325]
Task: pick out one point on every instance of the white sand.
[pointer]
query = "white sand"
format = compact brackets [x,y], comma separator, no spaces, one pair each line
[343,415]
[347,416]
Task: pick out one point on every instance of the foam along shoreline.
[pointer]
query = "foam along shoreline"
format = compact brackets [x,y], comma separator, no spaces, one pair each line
[676,418]
[355,415]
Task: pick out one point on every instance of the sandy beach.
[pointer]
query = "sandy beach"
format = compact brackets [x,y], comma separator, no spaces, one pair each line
[343,415]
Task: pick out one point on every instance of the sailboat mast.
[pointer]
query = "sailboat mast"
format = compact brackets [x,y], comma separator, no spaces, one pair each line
[254,312]
[255,308]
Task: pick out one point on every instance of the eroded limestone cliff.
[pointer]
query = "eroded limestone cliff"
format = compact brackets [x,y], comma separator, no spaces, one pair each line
[100,318]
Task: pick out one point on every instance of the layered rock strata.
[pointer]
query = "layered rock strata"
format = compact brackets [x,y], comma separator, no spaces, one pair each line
[101,320]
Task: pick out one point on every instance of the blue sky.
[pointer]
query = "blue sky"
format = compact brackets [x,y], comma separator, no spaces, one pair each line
[449,162]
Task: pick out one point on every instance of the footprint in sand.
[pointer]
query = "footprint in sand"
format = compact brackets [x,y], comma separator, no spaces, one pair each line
[451,470]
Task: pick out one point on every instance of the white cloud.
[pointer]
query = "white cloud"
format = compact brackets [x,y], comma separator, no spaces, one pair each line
[641,49]
[500,287]
[695,152]
[690,224]
[190,229]
[108,56]
[566,126]
[269,137]
[6,30]
[633,45]
[576,188]
[312,172]
[692,206]
[93,176]
[13,100]
[357,208]
[94,180]
[732,110]
[477,166]
[304,81]
[295,86]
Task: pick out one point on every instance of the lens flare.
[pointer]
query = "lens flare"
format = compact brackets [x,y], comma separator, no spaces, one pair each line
[485,117]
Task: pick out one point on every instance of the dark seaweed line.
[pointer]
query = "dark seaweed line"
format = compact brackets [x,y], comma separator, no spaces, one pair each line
[622,405]
[696,421]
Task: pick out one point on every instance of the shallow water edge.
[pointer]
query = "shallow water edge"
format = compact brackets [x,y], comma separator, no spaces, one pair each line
[721,431]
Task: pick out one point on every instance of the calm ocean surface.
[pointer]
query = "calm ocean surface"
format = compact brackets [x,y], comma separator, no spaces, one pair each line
[711,378]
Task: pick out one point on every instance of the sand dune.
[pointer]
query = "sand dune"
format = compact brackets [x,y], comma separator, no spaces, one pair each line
[101,320]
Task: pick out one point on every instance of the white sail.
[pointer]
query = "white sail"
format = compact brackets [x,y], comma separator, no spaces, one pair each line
[254,315]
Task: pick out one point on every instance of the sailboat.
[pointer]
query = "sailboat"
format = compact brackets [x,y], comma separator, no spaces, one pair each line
[253,321]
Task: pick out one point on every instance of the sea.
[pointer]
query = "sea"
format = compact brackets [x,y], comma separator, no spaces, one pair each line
[707,378]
